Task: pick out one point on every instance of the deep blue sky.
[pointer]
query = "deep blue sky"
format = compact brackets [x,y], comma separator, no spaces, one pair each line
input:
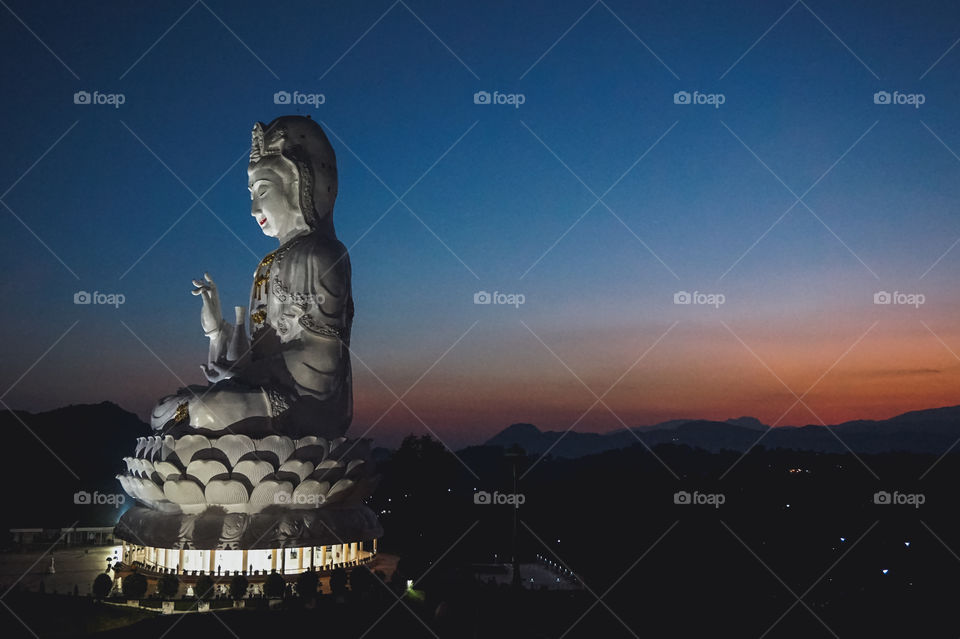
[499,199]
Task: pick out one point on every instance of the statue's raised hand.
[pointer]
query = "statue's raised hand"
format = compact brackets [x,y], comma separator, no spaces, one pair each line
[210,316]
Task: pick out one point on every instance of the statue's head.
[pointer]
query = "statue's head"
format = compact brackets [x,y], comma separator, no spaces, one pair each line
[292,176]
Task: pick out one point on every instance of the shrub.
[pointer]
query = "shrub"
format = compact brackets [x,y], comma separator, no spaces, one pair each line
[307,584]
[204,587]
[134,586]
[361,580]
[102,585]
[168,586]
[274,586]
[338,582]
[238,587]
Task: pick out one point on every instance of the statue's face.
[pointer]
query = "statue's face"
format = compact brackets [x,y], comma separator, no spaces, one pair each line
[275,197]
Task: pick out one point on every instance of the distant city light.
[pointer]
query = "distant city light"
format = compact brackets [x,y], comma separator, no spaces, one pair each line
[907,544]
[885,571]
[843,539]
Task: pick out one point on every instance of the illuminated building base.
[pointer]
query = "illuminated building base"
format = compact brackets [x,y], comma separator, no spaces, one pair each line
[263,561]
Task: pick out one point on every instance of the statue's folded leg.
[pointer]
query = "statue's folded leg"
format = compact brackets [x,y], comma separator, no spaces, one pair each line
[174,407]
[212,407]
[220,408]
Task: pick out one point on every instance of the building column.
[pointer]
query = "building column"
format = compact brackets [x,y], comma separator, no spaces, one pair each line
[313,551]
[323,557]
[180,560]
[166,558]
[354,553]
[273,559]
[300,559]
[213,558]
[243,562]
[374,545]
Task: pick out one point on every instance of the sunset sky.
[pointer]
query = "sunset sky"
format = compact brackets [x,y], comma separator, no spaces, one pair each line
[495,197]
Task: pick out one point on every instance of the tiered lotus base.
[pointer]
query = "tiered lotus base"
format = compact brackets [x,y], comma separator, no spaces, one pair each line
[234,494]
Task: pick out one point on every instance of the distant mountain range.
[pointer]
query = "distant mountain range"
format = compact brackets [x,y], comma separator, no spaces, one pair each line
[49,456]
[924,431]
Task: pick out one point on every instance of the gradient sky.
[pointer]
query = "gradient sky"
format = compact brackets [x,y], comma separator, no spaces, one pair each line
[695,206]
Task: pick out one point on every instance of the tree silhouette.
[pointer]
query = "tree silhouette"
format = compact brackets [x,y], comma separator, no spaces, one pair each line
[204,588]
[168,586]
[361,580]
[338,582]
[238,587]
[134,586]
[307,584]
[102,585]
[274,586]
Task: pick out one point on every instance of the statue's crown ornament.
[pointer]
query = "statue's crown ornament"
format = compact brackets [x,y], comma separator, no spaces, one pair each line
[266,144]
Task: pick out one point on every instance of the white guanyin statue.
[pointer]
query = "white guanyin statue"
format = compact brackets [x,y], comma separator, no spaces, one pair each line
[257,458]
[292,375]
